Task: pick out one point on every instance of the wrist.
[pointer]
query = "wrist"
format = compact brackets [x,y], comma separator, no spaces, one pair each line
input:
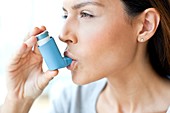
[16,105]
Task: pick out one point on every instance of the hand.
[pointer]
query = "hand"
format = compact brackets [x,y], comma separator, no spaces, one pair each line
[25,78]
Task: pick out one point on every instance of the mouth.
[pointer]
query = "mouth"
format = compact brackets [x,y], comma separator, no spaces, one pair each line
[74,62]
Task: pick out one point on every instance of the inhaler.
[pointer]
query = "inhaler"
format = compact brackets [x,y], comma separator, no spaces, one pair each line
[50,52]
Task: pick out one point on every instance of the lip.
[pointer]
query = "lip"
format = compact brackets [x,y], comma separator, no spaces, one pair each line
[74,62]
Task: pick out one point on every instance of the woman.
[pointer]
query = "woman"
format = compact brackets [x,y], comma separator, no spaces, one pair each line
[125,41]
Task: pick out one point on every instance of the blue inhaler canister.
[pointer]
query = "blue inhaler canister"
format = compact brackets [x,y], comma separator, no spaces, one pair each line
[50,52]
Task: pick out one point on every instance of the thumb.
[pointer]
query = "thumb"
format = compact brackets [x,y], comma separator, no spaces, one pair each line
[46,78]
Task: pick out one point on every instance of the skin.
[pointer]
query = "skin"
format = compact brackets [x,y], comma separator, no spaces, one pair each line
[103,42]
[109,44]
[115,51]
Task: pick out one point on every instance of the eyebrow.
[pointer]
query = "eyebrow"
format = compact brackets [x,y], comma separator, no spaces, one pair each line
[83,4]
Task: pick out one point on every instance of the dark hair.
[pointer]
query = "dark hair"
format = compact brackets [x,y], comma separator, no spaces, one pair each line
[159,45]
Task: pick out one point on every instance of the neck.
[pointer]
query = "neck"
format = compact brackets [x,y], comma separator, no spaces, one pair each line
[136,86]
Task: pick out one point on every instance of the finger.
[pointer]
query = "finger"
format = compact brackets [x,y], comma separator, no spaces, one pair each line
[43,28]
[37,30]
[50,74]
[34,32]
[46,78]
[31,42]
[36,50]
[18,55]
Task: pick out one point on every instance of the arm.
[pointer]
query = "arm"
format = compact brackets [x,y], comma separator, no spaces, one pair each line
[25,78]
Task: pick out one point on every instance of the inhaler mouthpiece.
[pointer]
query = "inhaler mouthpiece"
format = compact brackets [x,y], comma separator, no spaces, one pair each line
[50,52]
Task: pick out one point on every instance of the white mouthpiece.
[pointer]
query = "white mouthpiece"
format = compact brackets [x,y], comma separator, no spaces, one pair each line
[43,41]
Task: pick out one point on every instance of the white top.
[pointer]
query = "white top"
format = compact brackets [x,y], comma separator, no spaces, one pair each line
[79,99]
[168,110]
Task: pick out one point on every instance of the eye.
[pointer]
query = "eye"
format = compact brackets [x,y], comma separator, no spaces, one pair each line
[85,14]
[64,16]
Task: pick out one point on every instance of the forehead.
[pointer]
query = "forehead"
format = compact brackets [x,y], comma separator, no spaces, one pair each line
[74,2]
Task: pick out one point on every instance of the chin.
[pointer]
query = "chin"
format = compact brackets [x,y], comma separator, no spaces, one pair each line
[81,79]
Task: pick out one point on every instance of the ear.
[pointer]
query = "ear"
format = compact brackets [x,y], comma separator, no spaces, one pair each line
[150,19]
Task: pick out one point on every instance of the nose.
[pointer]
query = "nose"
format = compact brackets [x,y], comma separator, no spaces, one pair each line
[68,33]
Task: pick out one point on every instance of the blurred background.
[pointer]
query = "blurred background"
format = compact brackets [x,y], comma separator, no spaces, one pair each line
[17,18]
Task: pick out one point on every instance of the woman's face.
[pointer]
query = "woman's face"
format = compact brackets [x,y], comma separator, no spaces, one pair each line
[100,40]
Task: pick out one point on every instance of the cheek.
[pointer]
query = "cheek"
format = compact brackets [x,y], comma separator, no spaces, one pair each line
[103,50]
[106,49]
